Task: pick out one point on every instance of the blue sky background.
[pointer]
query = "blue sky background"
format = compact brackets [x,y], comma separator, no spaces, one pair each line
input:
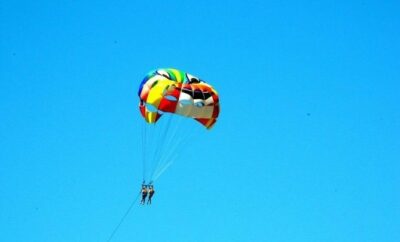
[307,145]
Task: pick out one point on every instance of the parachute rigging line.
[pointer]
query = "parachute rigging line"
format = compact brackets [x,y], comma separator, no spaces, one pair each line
[173,141]
[161,143]
[154,138]
[176,140]
[161,146]
[144,150]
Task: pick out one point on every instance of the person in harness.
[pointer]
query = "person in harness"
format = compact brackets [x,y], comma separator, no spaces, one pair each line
[144,194]
[151,193]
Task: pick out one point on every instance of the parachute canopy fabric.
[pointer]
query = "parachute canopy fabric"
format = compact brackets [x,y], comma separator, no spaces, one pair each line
[173,91]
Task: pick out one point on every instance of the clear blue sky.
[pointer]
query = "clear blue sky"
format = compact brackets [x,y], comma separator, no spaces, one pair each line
[307,145]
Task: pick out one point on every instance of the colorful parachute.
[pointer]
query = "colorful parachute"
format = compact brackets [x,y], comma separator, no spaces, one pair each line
[173,91]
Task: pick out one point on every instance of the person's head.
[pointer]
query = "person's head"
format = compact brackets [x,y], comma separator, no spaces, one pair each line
[143,186]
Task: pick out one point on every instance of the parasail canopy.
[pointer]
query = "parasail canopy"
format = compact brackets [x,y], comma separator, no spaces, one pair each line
[169,90]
